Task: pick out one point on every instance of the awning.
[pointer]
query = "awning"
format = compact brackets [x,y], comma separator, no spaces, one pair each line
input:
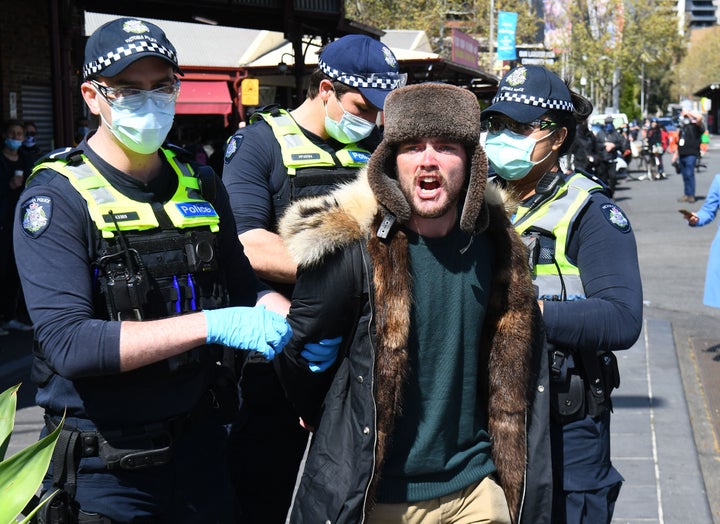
[203,98]
[709,91]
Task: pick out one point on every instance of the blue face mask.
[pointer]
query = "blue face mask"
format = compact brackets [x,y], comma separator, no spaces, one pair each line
[12,144]
[510,153]
[144,130]
[350,129]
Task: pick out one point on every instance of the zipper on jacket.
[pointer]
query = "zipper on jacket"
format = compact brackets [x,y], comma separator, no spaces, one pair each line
[371,301]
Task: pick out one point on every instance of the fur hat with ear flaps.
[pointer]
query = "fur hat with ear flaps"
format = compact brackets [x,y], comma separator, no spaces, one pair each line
[431,110]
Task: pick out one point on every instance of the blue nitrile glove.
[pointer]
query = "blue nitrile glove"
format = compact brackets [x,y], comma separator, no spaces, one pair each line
[251,328]
[321,355]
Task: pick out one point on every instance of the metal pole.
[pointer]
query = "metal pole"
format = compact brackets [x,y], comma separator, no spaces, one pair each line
[616,89]
[491,42]
[642,89]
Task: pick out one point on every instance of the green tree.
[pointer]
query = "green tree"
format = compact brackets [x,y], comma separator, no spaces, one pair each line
[611,51]
[435,16]
[701,65]
[425,15]
[617,48]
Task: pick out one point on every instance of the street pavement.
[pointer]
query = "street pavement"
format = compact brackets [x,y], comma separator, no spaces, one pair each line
[666,421]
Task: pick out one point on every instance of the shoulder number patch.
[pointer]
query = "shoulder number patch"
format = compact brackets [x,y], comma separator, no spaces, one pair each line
[616,217]
[36,214]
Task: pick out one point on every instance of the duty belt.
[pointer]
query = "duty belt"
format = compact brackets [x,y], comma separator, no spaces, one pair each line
[144,447]
[137,448]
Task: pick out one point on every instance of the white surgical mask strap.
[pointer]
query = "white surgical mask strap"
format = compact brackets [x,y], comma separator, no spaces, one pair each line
[325,104]
[549,152]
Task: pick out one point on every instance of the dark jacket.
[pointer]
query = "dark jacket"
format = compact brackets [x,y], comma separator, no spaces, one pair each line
[354,284]
[689,138]
[584,149]
[620,143]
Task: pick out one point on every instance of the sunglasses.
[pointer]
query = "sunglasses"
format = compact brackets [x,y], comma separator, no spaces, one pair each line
[496,125]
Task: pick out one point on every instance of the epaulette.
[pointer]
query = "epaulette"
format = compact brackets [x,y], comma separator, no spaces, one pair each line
[604,188]
[272,110]
[70,155]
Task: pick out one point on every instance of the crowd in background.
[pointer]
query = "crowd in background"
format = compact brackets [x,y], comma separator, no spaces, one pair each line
[613,153]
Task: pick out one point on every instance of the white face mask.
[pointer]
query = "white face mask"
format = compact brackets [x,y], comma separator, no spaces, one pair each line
[145,129]
[350,129]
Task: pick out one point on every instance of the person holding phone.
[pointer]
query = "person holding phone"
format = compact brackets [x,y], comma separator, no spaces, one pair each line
[688,150]
[703,217]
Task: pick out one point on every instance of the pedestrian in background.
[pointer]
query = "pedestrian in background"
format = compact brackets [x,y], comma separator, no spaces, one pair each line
[700,218]
[583,152]
[428,393]
[584,260]
[688,150]
[657,143]
[132,273]
[30,146]
[280,157]
[611,145]
[15,166]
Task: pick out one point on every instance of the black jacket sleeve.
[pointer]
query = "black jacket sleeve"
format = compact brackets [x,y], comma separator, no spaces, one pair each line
[325,304]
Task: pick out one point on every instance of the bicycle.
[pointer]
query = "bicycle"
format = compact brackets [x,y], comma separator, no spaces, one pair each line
[651,162]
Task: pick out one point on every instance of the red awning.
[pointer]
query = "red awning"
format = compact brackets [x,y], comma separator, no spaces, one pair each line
[203,98]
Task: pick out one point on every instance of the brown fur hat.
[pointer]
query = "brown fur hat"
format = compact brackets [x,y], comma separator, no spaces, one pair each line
[431,110]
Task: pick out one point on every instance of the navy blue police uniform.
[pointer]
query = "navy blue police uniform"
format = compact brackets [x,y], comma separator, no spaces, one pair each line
[147,445]
[268,165]
[260,189]
[585,266]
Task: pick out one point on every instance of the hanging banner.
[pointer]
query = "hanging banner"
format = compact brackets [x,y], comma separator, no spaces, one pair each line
[464,49]
[507,23]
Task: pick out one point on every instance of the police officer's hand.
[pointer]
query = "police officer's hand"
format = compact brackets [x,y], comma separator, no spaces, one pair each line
[321,355]
[250,328]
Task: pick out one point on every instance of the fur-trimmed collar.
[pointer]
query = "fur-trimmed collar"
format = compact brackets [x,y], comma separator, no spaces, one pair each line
[315,227]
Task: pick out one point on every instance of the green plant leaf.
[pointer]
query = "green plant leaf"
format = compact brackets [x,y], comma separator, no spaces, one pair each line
[8,404]
[22,474]
[44,501]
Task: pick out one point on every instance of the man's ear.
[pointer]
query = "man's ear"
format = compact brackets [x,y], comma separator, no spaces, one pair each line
[325,89]
[91,97]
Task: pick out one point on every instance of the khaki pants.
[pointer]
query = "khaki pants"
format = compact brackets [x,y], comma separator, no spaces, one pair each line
[484,502]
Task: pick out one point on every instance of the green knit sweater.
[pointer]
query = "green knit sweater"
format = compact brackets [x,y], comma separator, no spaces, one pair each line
[440,443]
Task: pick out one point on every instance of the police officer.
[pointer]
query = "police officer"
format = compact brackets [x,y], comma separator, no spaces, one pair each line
[280,157]
[584,259]
[610,144]
[135,280]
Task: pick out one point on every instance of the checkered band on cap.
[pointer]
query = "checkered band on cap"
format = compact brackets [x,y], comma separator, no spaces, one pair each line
[536,101]
[385,81]
[103,62]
